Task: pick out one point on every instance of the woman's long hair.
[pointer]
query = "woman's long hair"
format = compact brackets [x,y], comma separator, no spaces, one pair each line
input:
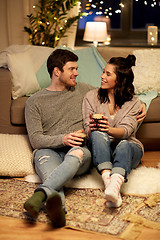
[124,88]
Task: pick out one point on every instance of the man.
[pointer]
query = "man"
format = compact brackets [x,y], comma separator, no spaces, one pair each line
[54,123]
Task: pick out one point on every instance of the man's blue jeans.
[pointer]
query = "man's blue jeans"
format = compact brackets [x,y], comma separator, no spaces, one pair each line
[119,158]
[56,167]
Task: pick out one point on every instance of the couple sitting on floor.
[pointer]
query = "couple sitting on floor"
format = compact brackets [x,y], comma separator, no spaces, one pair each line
[57,116]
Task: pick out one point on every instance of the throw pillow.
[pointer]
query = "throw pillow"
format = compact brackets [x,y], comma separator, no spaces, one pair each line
[43,76]
[146,72]
[15,155]
[24,80]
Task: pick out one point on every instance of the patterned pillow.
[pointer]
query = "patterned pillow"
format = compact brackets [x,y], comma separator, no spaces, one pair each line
[146,71]
[15,156]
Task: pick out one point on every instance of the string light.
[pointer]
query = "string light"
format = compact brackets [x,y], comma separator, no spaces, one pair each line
[94,6]
[118,11]
[111,10]
[99,13]
[121,5]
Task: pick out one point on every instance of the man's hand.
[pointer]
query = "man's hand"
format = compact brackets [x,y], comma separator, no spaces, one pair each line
[73,139]
[142,113]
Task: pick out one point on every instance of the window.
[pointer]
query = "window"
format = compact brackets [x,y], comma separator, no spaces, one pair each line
[145,13]
[106,11]
[126,19]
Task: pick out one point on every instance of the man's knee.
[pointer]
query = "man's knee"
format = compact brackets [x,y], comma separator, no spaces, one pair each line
[77,152]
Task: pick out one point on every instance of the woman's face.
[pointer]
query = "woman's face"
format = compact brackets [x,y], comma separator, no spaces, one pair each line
[108,77]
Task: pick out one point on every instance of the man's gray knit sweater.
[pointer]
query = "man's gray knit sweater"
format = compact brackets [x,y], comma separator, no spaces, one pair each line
[50,115]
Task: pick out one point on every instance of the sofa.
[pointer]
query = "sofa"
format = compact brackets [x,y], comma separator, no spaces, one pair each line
[12,119]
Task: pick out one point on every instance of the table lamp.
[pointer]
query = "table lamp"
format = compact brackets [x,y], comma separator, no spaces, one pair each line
[96,32]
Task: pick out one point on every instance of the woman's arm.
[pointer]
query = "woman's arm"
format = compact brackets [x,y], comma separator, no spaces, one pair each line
[116,132]
[87,111]
[89,124]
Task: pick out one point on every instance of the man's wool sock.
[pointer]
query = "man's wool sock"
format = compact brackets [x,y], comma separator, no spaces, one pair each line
[106,178]
[112,192]
[55,210]
[34,203]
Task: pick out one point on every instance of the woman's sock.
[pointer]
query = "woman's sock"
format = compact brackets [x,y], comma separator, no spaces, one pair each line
[116,204]
[106,178]
[34,203]
[112,192]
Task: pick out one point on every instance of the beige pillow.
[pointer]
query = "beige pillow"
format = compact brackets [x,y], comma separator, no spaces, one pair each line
[146,72]
[15,155]
[24,81]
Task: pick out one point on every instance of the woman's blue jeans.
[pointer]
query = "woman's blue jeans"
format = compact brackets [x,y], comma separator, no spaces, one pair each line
[56,167]
[119,158]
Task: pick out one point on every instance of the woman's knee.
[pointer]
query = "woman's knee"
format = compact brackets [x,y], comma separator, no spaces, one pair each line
[124,145]
[99,135]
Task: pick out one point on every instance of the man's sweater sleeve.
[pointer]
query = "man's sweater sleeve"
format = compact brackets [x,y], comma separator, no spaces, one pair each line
[37,137]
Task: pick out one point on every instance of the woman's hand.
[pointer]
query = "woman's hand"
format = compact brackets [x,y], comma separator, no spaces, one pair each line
[142,113]
[92,123]
[73,139]
[102,125]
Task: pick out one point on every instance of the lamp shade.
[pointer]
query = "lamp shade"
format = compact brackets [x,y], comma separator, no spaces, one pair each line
[95,31]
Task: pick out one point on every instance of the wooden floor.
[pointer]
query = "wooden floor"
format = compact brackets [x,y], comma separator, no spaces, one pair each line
[12,228]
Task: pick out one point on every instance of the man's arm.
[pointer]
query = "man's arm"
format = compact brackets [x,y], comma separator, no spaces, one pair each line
[142,113]
[37,136]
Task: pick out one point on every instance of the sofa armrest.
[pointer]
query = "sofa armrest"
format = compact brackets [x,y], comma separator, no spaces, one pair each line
[5,104]
[5,96]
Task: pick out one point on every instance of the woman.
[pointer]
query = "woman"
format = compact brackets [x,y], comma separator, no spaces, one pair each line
[113,144]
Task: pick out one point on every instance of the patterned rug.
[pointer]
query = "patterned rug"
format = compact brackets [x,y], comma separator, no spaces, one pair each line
[86,209]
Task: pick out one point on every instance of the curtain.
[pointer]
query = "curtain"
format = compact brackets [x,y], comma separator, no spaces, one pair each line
[13,19]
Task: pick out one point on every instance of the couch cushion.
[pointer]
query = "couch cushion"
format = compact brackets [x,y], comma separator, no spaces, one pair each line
[24,81]
[17,110]
[153,113]
[18,105]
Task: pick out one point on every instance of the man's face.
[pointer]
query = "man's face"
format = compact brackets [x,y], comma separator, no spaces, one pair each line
[67,78]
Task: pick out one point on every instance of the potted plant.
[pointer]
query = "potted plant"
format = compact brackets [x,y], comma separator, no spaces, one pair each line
[50,21]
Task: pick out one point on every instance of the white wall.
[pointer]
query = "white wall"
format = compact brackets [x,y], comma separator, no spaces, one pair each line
[13,19]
